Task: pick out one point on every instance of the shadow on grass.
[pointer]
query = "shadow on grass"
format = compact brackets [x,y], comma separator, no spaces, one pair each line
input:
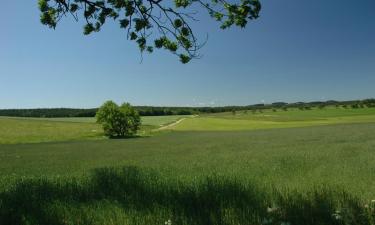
[146,198]
[127,137]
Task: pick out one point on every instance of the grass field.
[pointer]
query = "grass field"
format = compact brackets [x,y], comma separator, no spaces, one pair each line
[146,120]
[35,130]
[279,119]
[296,167]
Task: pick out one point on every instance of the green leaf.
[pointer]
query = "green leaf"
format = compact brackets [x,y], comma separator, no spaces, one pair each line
[88,29]
[184,58]
[124,23]
[178,23]
[133,36]
[43,5]
[73,7]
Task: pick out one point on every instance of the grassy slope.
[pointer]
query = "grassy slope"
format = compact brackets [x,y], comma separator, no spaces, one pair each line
[280,119]
[35,130]
[296,157]
[146,120]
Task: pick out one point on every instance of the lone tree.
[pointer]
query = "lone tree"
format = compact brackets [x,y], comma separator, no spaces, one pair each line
[118,121]
[152,23]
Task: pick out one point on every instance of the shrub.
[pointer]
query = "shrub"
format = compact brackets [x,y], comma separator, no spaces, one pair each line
[355,106]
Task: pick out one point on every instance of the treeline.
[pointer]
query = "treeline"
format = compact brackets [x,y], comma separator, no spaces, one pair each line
[161,111]
[367,103]
[165,111]
[70,112]
[49,112]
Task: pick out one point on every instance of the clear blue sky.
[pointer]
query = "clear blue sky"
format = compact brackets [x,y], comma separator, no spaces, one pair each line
[297,51]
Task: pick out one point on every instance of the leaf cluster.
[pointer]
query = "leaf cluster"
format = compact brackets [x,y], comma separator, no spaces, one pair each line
[151,23]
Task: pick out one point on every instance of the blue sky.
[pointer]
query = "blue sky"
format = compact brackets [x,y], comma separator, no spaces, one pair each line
[297,51]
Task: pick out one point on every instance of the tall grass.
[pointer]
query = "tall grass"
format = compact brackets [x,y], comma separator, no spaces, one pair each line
[129,195]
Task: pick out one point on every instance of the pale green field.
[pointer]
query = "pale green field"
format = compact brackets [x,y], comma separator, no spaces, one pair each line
[146,120]
[35,130]
[279,119]
[161,120]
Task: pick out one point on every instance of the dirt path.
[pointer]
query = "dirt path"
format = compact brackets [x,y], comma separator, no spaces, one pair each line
[175,123]
[171,125]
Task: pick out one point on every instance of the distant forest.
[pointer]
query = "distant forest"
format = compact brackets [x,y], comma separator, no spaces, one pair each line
[161,111]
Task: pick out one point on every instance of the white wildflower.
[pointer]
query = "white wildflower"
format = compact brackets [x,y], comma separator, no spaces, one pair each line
[337,215]
[285,223]
[271,209]
[267,221]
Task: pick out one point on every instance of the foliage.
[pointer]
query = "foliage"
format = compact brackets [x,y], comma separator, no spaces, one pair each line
[370,103]
[118,121]
[48,112]
[167,23]
[69,112]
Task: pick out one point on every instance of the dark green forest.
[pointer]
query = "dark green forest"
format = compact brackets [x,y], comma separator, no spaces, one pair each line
[161,111]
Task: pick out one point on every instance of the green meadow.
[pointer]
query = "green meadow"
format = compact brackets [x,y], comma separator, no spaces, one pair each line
[146,120]
[15,130]
[285,167]
[247,120]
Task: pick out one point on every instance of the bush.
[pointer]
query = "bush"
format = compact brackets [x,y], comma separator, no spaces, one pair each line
[355,106]
[118,121]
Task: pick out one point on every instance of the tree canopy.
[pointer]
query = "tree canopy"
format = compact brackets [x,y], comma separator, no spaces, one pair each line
[118,121]
[161,24]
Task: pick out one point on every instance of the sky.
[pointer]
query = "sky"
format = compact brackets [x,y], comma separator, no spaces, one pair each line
[296,51]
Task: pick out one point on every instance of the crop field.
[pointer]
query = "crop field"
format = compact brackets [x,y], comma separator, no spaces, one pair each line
[285,167]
